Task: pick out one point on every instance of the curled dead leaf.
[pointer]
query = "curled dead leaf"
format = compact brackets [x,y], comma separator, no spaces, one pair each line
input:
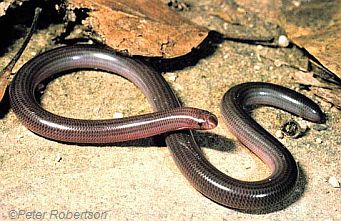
[141,27]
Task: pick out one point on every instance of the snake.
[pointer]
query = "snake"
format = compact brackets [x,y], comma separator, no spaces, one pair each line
[171,119]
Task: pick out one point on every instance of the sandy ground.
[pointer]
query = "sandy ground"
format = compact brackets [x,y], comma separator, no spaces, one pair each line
[140,181]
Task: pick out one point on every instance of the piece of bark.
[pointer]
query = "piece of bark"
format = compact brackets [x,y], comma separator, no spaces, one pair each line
[141,27]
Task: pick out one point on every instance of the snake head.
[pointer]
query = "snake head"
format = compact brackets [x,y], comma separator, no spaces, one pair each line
[209,121]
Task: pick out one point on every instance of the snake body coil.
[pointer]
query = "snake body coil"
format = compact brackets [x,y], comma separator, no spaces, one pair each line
[169,117]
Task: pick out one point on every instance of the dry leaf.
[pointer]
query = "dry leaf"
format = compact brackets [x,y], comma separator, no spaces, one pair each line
[316,26]
[325,91]
[313,25]
[306,78]
[329,95]
[141,27]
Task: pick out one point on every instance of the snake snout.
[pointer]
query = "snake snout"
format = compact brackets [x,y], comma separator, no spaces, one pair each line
[210,122]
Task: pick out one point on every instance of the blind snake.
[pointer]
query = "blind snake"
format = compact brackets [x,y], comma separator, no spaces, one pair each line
[170,116]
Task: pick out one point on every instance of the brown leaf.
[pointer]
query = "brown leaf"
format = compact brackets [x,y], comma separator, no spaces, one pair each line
[329,95]
[316,26]
[313,25]
[307,78]
[141,27]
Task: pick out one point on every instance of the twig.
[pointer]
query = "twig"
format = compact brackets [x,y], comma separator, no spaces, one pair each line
[7,71]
